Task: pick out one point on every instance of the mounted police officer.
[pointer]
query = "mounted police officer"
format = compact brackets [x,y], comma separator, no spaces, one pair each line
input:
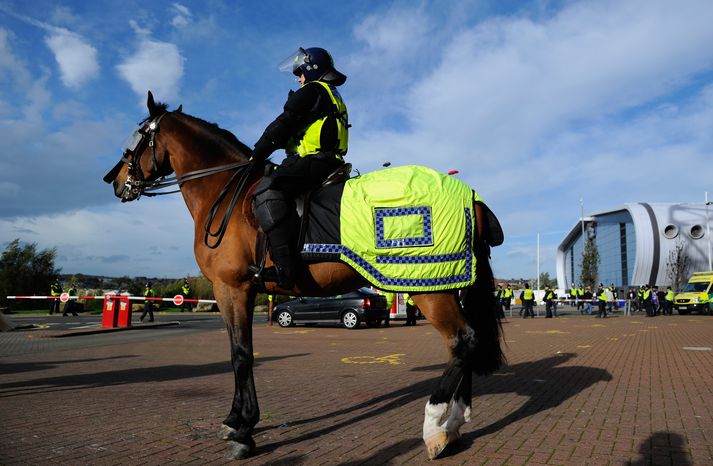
[313,130]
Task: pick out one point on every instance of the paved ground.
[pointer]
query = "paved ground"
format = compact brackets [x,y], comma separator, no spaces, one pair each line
[578,390]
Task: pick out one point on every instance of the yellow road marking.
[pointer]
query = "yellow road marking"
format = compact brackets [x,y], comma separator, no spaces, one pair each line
[390,359]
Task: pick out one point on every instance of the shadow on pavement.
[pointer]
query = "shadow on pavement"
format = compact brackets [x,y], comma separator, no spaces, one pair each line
[125,376]
[16,368]
[541,381]
[663,448]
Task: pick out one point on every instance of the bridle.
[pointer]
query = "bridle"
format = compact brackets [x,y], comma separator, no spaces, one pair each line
[138,186]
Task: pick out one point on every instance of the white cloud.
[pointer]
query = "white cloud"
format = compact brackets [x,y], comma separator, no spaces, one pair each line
[155,66]
[77,59]
[86,240]
[10,64]
[182,16]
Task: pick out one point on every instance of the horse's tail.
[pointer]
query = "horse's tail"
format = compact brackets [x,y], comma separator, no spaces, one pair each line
[481,310]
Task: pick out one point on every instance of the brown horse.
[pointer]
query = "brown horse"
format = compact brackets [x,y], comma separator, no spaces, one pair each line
[214,172]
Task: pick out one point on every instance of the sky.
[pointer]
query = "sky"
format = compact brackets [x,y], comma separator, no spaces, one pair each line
[545,108]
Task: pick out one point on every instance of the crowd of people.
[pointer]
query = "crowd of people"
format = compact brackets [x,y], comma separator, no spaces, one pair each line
[652,300]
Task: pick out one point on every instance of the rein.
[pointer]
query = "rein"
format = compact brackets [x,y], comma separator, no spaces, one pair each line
[136,183]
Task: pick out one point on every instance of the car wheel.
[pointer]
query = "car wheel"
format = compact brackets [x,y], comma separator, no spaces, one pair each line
[284,318]
[350,319]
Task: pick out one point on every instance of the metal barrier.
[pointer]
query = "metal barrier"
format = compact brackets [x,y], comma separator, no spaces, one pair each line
[116,311]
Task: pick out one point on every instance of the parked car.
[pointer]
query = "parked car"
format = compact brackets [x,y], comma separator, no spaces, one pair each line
[351,309]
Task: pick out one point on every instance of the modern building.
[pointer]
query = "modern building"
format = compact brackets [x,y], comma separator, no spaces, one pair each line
[635,243]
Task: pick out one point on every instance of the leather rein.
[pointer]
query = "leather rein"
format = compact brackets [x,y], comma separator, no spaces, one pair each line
[136,183]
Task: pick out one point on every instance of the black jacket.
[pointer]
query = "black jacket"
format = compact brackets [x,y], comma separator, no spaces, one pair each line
[304,106]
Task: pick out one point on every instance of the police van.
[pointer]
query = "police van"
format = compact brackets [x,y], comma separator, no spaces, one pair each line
[696,295]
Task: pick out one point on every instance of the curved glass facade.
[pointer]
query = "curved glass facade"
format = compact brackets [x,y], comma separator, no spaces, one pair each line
[616,242]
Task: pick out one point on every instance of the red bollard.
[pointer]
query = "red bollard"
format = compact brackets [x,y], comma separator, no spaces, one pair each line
[109,314]
[124,319]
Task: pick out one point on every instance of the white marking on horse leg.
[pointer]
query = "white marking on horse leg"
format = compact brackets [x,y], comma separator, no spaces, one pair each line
[225,432]
[456,419]
[434,433]
[432,419]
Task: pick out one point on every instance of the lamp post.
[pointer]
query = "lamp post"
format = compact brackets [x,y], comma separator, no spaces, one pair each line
[538,261]
[708,233]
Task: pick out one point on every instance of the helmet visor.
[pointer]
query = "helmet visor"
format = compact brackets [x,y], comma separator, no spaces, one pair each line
[294,62]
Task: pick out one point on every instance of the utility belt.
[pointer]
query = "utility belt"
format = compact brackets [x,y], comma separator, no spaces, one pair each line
[321,155]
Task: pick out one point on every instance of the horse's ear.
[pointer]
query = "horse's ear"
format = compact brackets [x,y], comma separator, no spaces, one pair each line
[151,104]
[179,109]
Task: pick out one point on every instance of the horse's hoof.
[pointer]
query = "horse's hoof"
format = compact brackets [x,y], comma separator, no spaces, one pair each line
[226,432]
[238,451]
[436,444]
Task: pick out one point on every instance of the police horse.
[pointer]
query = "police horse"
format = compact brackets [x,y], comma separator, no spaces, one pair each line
[215,175]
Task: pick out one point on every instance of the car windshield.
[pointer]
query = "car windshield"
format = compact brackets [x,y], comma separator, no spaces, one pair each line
[697,287]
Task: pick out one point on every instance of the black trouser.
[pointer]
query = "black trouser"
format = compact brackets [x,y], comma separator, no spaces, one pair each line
[275,201]
[527,309]
[54,305]
[148,309]
[410,315]
[506,303]
[549,305]
[69,307]
[602,308]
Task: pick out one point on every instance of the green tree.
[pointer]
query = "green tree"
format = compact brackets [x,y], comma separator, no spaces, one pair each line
[590,264]
[25,271]
[545,280]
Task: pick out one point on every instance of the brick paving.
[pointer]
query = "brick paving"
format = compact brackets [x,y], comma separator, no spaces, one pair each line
[577,391]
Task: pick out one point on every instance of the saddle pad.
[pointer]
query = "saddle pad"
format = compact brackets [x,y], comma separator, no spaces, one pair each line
[405,228]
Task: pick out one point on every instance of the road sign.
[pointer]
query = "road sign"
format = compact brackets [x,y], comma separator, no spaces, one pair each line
[178,300]
[64,297]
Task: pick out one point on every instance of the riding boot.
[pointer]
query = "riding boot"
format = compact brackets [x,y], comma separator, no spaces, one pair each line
[287,264]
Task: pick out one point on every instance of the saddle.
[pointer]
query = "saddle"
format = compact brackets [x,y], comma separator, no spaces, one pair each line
[326,196]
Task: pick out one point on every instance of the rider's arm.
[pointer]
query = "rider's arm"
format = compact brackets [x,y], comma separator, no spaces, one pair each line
[298,112]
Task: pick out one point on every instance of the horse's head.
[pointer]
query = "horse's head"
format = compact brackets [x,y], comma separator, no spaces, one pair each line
[143,161]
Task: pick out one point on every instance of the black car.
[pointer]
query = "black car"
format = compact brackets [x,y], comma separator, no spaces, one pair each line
[363,305]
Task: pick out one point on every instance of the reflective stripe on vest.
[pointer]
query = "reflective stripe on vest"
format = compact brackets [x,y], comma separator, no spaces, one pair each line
[309,142]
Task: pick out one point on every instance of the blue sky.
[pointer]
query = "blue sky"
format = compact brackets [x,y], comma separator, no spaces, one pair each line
[538,104]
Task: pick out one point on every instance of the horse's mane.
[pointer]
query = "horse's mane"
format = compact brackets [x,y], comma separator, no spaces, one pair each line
[220,133]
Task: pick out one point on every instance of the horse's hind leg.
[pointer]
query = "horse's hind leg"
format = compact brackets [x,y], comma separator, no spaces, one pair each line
[237,309]
[443,311]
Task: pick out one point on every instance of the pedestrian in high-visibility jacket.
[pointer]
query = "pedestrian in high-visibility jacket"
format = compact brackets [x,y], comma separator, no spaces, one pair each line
[527,296]
[55,291]
[602,298]
[148,305]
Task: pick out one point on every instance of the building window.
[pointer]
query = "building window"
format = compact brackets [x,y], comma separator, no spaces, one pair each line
[624,261]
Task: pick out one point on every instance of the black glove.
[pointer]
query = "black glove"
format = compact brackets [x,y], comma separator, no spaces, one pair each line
[263,149]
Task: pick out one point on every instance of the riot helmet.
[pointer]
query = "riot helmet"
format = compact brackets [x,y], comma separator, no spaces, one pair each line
[315,63]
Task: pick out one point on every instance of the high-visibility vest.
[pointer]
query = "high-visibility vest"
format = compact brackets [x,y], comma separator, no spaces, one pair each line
[669,295]
[529,295]
[602,295]
[186,290]
[308,142]
[56,289]
[507,293]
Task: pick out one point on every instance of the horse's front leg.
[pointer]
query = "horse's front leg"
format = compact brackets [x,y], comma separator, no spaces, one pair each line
[238,426]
